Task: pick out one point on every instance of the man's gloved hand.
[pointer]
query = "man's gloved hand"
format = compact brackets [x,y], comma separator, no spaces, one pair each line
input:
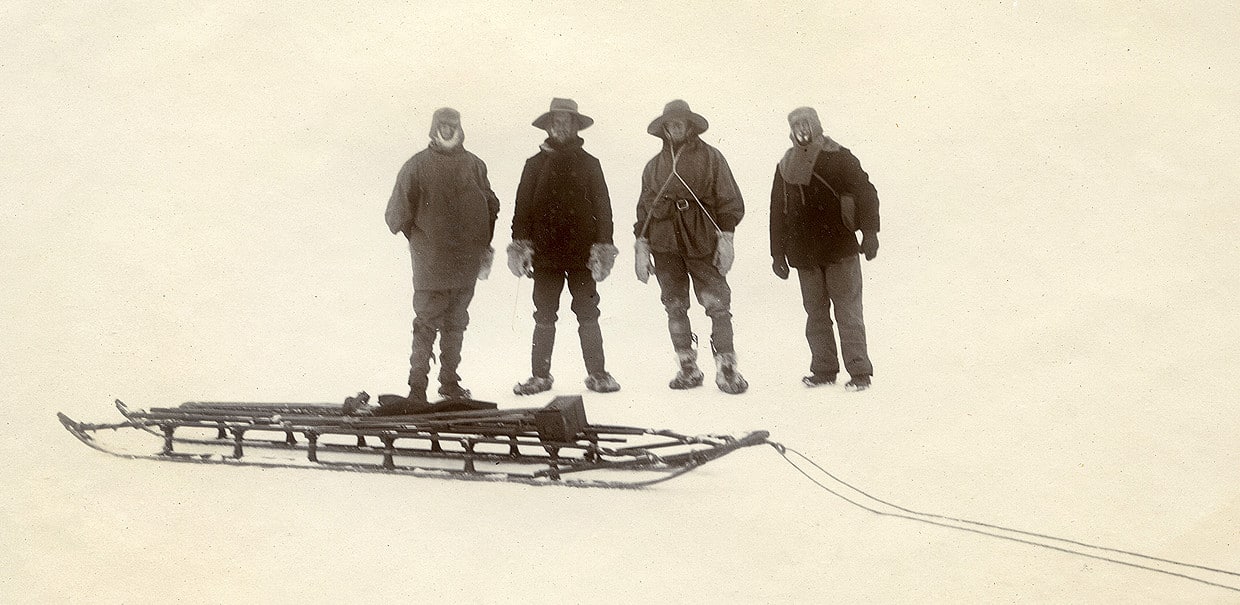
[869,244]
[521,258]
[484,268]
[602,259]
[725,253]
[779,265]
[642,263]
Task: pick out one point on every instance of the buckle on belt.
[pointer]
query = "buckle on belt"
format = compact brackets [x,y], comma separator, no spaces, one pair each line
[682,204]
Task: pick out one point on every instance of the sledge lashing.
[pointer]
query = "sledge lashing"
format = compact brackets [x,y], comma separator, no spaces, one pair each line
[451,439]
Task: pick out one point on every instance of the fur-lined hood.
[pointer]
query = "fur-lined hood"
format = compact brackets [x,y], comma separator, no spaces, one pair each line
[797,165]
[808,114]
[446,115]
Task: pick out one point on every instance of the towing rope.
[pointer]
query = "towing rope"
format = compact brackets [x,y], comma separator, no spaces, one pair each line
[988,529]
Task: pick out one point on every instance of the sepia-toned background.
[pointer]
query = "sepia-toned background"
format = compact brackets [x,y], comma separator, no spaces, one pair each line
[192,200]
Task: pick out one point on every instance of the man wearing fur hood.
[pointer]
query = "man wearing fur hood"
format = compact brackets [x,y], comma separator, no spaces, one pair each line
[820,198]
[562,233]
[444,205]
[686,217]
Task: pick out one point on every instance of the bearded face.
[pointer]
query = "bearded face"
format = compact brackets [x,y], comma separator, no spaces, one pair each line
[448,135]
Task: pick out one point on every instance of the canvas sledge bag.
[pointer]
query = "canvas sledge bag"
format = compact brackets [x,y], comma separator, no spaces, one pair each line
[848,212]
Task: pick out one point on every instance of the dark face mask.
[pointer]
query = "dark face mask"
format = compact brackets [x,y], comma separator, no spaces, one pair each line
[802,133]
[677,130]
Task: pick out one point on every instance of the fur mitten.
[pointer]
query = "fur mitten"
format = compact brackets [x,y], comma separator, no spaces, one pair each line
[642,263]
[602,259]
[521,258]
[724,252]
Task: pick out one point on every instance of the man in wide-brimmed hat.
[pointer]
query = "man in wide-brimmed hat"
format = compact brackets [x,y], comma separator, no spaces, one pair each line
[562,233]
[444,205]
[686,217]
[820,199]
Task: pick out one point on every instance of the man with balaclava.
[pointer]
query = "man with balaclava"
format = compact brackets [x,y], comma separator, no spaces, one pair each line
[820,198]
[686,219]
[562,233]
[443,204]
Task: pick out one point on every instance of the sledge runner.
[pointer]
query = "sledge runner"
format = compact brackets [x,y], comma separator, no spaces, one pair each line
[553,444]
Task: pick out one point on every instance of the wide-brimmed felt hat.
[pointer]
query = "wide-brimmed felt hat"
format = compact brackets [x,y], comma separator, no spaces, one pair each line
[568,106]
[677,109]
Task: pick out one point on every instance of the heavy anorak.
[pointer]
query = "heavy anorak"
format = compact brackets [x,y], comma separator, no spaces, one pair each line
[669,214]
[444,204]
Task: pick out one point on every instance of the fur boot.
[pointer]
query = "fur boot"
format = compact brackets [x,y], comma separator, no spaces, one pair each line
[728,378]
[602,382]
[534,384]
[689,375]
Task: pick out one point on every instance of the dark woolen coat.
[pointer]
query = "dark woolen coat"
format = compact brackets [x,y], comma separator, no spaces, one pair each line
[562,206]
[806,226]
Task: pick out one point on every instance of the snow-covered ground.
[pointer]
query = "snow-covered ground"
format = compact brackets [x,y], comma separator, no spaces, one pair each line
[193,199]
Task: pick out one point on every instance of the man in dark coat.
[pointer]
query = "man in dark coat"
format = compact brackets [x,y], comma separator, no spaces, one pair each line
[820,198]
[686,218]
[562,233]
[444,205]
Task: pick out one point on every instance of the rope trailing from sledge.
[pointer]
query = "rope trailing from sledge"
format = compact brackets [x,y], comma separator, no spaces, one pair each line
[988,529]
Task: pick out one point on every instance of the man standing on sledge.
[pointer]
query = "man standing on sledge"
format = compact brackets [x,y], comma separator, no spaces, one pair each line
[562,232]
[686,218]
[444,205]
[820,198]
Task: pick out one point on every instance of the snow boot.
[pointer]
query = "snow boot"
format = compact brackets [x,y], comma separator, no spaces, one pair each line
[453,391]
[860,382]
[689,375]
[817,380]
[602,382]
[534,384]
[728,379]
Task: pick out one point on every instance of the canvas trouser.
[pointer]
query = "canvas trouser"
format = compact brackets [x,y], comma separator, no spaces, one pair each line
[838,284]
[548,286]
[442,312]
[675,272]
